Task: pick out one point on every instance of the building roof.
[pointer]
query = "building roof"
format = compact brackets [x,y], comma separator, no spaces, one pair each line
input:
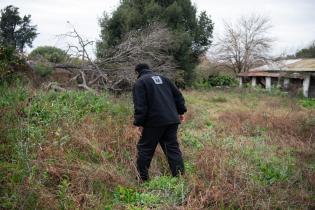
[297,75]
[260,74]
[292,65]
[293,68]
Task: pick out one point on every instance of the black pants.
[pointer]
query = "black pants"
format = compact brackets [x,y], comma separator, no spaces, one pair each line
[167,137]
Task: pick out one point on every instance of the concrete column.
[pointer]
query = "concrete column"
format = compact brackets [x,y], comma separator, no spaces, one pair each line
[241,81]
[286,83]
[279,82]
[306,85]
[253,81]
[268,83]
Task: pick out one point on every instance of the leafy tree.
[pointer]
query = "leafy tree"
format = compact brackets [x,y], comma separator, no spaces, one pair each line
[49,53]
[191,33]
[16,31]
[308,52]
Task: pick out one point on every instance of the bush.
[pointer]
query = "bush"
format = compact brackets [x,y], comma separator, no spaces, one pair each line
[201,84]
[215,80]
[48,53]
[8,59]
[43,69]
[221,80]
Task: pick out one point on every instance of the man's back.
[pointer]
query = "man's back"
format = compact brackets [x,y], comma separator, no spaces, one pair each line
[157,100]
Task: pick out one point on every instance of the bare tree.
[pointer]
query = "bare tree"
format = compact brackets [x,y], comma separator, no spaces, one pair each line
[244,44]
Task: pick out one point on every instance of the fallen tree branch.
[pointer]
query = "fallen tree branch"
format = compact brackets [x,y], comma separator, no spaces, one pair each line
[116,66]
[54,86]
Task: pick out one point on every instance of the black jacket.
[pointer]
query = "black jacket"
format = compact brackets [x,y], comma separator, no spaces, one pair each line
[157,101]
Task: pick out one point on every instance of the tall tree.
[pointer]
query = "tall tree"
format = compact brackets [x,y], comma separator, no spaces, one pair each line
[16,31]
[192,34]
[245,43]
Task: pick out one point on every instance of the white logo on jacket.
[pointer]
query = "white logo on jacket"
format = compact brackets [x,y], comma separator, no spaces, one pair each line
[157,80]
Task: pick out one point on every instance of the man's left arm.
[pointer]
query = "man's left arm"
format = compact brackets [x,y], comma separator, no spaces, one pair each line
[179,99]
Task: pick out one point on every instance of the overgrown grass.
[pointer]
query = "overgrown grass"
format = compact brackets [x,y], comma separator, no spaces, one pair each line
[243,149]
[308,103]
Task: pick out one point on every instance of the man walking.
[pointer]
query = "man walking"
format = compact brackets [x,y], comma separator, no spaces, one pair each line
[159,108]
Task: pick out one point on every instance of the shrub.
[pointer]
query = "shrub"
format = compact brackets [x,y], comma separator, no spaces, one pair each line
[48,53]
[221,80]
[9,58]
[43,69]
[214,81]
[201,84]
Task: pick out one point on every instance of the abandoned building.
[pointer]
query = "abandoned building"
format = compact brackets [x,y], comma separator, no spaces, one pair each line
[293,76]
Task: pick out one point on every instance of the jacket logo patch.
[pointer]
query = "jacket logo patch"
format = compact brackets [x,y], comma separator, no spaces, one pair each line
[157,80]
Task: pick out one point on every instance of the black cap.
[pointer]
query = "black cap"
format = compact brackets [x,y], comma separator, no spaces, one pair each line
[141,66]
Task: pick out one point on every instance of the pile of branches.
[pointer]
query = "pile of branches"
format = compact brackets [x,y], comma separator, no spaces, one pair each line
[115,69]
[150,45]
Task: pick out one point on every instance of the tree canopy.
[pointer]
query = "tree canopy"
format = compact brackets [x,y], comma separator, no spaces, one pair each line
[308,52]
[49,53]
[192,33]
[16,31]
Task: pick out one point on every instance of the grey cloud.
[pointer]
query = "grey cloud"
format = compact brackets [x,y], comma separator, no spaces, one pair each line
[293,20]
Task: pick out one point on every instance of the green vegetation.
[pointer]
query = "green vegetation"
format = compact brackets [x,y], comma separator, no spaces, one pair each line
[8,60]
[216,81]
[308,103]
[192,34]
[221,80]
[43,69]
[308,52]
[48,53]
[16,31]
[160,190]
[243,149]
[15,34]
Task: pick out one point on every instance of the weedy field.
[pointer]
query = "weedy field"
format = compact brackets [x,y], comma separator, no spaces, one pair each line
[243,149]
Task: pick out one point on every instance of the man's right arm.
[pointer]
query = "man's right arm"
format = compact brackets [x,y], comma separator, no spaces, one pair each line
[140,104]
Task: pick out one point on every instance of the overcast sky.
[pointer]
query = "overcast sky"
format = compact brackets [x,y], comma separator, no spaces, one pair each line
[293,20]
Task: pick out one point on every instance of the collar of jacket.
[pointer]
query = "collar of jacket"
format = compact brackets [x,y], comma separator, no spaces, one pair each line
[144,71]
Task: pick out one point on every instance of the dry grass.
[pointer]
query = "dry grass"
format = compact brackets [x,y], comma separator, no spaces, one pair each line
[224,175]
[244,151]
